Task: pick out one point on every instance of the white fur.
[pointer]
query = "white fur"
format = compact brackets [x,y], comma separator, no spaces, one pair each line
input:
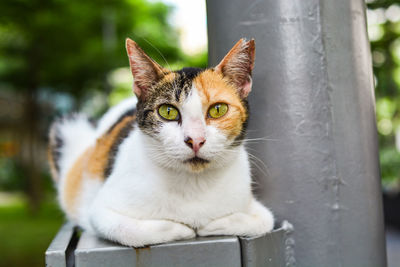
[112,115]
[77,135]
[152,196]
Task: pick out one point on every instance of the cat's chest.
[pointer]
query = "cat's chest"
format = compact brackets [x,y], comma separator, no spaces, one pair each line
[193,209]
[194,202]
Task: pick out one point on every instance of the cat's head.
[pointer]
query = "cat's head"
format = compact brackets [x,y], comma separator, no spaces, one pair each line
[194,119]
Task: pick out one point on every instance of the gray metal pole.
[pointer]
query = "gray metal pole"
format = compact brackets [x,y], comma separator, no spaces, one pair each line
[313,101]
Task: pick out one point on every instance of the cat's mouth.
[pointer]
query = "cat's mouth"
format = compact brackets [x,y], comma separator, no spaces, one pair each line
[196,161]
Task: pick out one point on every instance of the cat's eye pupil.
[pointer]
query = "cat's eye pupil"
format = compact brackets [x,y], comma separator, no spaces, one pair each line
[217,110]
[168,112]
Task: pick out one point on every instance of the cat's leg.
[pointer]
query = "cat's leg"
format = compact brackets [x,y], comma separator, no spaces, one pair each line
[257,221]
[125,230]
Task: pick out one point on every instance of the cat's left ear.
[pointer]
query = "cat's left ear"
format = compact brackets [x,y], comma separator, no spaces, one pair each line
[146,72]
[238,64]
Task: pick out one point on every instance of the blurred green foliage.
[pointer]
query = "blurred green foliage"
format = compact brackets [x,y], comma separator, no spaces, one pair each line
[70,46]
[25,238]
[10,173]
[384,32]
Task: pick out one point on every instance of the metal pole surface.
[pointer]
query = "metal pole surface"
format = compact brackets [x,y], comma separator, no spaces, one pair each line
[313,102]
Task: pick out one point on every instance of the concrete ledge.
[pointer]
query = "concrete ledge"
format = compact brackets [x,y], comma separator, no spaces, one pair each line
[90,251]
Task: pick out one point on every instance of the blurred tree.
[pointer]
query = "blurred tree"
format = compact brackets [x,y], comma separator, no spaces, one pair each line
[384,33]
[70,46]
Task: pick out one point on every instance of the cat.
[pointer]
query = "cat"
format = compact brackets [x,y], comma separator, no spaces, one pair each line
[168,164]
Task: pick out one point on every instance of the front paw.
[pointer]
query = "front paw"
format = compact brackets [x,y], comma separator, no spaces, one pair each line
[240,224]
[176,231]
[161,231]
[129,231]
[142,233]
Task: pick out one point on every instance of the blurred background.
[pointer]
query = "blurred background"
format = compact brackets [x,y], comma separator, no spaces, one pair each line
[60,56]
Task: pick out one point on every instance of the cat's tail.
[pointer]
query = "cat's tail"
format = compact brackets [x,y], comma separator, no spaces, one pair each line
[69,137]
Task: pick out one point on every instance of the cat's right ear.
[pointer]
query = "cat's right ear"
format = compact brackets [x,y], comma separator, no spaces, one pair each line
[238,64]
[145,71]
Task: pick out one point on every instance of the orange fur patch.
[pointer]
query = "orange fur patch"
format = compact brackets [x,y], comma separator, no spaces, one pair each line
[74,182]
[98,161]
[214,88]
[91,164]
[198,167]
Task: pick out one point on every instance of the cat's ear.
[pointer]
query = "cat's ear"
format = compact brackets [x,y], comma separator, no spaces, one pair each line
[238,64]
[145,71]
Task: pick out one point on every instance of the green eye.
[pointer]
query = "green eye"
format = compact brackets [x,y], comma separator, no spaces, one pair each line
[217,110]
[168,112]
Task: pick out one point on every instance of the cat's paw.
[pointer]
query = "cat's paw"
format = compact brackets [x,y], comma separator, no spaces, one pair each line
[129,231]
[173,231]
[240,224]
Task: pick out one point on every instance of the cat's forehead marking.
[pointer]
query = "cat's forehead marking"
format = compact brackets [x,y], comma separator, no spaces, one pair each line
[183,82]
[190,73]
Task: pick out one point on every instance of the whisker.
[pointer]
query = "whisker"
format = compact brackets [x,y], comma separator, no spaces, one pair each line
[158,51]
[261,162]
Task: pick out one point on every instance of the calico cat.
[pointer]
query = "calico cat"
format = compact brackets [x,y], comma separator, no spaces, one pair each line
[168,165]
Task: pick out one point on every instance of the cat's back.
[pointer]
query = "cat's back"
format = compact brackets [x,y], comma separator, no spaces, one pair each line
[115,114]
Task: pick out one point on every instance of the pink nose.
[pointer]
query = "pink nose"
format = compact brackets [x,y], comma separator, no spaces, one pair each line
[196,143]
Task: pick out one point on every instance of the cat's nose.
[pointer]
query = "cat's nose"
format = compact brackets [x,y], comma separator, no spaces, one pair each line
[195,143]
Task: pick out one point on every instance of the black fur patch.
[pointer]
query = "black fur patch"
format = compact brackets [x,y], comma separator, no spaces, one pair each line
[129,112]
[184,82]
[55,149]
[190,73]
[123,133]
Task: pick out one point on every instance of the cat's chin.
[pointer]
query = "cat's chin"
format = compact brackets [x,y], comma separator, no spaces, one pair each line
[193,165]
[196,164]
